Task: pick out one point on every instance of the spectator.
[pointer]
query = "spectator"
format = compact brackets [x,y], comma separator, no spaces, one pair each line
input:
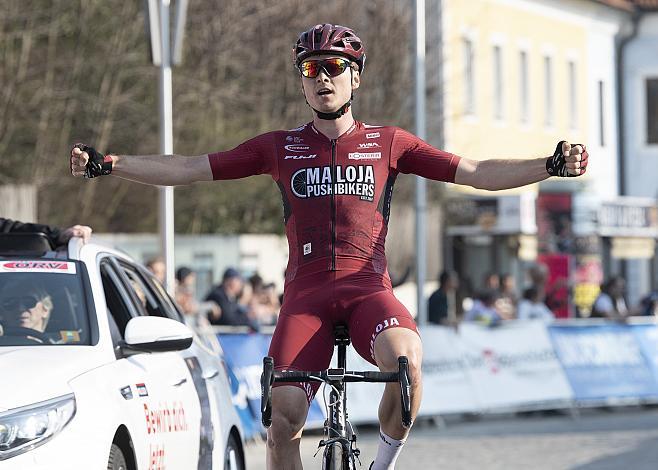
[441,308]
[25,306]
[196,313]
[531,307]
[56,236]
[649,304]
[491,281]
[483,309]
[610,302]
[265,303]
[157,267]
[185,287]
[506,303]
[226,296]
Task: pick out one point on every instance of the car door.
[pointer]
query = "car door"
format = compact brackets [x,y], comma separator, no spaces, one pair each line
[166,396]
[206,368]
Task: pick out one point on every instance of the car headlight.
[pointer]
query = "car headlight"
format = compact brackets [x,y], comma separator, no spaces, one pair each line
[23,429]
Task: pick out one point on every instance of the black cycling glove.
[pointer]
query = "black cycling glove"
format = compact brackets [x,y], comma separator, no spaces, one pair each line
[98,164]
[556,165]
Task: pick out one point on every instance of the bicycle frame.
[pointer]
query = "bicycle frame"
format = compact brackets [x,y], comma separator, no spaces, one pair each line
[340,449]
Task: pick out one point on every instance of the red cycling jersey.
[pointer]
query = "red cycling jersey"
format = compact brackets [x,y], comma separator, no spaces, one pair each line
[336,193]
[337,198]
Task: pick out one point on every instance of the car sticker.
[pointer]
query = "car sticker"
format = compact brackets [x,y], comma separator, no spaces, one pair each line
[26,266]
[206,433]
[69,336]
[165,418]
[156,457]
[141,390]
[126,392]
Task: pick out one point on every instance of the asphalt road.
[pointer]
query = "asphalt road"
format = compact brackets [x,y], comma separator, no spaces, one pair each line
[620,439]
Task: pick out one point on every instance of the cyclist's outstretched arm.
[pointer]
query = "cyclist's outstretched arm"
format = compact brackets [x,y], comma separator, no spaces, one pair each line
[496,174]
[165,170]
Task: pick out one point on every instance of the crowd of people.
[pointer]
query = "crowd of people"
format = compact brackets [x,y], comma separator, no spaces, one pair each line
[498,300]
[235,301]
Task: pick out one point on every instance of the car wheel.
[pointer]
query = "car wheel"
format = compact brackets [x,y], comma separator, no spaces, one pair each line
[233,458]
[117,460]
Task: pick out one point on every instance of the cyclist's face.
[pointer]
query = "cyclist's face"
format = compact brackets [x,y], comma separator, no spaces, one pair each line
[326,93]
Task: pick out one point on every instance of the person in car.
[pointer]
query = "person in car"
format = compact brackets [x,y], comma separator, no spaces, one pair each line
[56,235]
[23,307]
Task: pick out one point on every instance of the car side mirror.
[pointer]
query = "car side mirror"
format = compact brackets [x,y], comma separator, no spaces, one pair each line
[155,334]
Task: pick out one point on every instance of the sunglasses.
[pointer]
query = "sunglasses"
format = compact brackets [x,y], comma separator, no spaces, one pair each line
[19,304]
[332,67]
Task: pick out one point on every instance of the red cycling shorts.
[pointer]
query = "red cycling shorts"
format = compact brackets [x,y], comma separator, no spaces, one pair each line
[312,305]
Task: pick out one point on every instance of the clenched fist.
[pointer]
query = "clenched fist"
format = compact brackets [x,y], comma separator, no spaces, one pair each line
[88,162]
[568,160]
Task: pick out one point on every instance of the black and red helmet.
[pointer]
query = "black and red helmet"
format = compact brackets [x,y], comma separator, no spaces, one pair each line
[329,39]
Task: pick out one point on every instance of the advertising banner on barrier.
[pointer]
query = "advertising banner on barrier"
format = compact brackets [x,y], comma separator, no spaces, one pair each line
[604,361]
[513,365]
[448,387]
[244,356]
[647,338]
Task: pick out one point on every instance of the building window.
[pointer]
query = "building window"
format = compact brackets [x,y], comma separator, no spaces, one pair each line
[652,110]
[601,113]
[573,96]
[498,82]
[469,77]
[524,87]
[548,91]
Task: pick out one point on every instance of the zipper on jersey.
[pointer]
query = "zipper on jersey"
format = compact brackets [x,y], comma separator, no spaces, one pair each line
[333,205]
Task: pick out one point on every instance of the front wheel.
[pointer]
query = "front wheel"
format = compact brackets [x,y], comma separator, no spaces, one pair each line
[333,457]
[233,458]
[117,460]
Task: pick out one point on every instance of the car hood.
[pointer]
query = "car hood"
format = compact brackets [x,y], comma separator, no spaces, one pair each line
[37,373]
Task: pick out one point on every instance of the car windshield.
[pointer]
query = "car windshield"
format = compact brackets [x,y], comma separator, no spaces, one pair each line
[43,303]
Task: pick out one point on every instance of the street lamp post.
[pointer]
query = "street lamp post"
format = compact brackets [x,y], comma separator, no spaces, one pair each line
[161,53]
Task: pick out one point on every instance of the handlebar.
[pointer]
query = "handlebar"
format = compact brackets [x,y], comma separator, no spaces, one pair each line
[266,380]
[268,377]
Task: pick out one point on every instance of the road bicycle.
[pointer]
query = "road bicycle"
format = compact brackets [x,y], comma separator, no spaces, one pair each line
[339,440]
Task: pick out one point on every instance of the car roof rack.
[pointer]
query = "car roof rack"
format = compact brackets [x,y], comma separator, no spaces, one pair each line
[25,244]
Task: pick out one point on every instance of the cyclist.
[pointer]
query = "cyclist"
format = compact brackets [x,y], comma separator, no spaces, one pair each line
[336,179]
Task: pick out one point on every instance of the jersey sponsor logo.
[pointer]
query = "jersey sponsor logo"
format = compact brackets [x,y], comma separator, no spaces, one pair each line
[297,148]
[307,249]
[372,135]
[300,157]
[389,322]
[369,145]
[295,139]
[364,155]
[352,180]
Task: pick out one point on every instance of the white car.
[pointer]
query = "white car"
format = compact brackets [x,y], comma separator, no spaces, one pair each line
[99,370]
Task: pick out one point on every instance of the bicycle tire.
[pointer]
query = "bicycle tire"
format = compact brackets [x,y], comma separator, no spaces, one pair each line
[333,458]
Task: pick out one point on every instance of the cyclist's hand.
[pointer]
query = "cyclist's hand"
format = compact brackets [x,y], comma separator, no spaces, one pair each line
[88,162]
[568,160]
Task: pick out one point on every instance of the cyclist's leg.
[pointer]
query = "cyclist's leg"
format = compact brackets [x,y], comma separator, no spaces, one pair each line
[389,345]
[289,409]
[302,340]
[382,329]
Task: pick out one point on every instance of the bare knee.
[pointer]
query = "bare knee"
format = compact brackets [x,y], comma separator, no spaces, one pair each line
[400,342]
[289,408]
